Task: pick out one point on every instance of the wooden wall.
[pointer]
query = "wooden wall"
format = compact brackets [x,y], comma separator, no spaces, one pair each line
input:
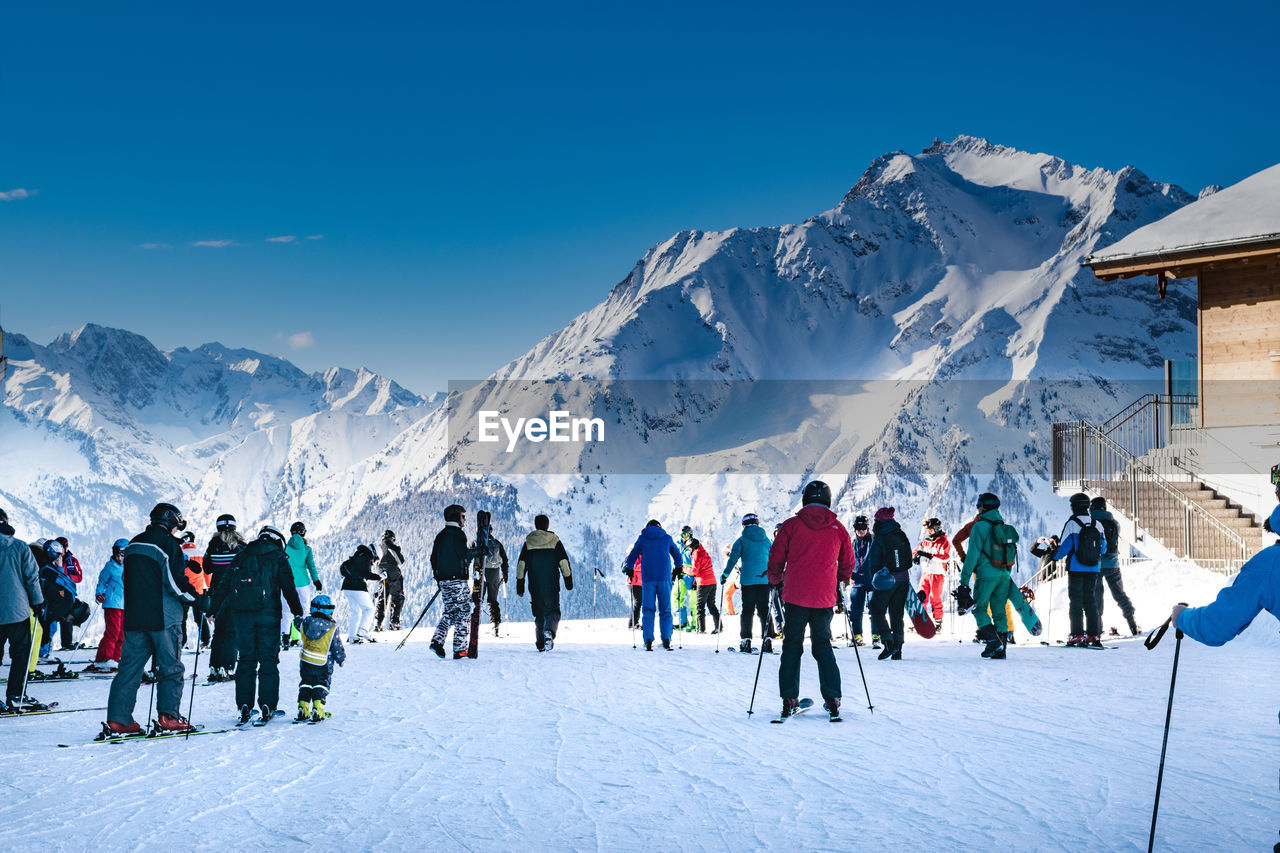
[1239,330]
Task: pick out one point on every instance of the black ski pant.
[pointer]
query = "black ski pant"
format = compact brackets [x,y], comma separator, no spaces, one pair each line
[707,601]
[755,605]
[17,635]
[65,628]
[1116,584]
[637,599]
[313,682]
[818,622]
[887,606]
[258,659]
[544,600]
[1082,595]
[492,582]
[392,589]
[222,651]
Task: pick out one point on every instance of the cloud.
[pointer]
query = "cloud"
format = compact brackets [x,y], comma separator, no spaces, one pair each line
[20,194]
[154,246]
[214,244]
[302,340]
[315,236]
[284,238]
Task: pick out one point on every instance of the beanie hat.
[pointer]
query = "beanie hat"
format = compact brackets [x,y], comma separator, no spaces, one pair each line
[884,513]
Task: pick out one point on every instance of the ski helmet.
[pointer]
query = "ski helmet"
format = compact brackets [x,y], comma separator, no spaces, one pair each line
[226,521]
[1079,503]
[66,543]
[686,532]
[988,500]
[322,605]
[269,532]
[860,523]
[1099,503]
[168,516]
[817,492]
[453,512]
[299,528]
[54,547]
[932,524]
[188,536]
[750,518]
[389,536]
[118,546]
[4,516]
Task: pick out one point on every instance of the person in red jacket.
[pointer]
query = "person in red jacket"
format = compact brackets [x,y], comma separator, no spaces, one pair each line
[811,554]
[637,594]
[933,555]
[708,584]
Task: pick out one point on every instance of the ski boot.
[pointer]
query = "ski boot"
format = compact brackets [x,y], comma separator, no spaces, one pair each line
[857,640]
[460,654]
[1093,641]
[284,641]
[887,648]
[354,640]
[1075,641]
[173,724]
[317,711]
[666,644]
[246,714]
[766,646]
[875,641]
[999,653]
[304,711]
[1133,625]
[745,646]
[1009,640]
[897,647]
[1112,632]
[495,629]
[648,645]
[112,729]
[265,713]
[95,669]
[438,648]
[992,638]
[937,625]
[23,704]
[833,710]
[789,707]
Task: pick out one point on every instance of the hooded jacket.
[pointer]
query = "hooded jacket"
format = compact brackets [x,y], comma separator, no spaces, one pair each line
[890,550]
[1067,548]
[657,553]
[357,569]
[544,560]
[155,581]
[811,554]
[268,557]
[752,548]
[302,561]
[19,579]
[1255,589]
[976,560]
[449,554]
[111,585]
[1110,530]
[703,568]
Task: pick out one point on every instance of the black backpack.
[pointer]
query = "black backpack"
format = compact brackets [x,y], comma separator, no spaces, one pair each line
[1111,528]
[251,587]
[1088,551]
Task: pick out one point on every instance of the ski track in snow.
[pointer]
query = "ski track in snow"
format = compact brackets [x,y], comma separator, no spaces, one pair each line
[596,746]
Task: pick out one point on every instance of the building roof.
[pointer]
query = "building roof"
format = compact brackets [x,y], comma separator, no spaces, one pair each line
[1243,215]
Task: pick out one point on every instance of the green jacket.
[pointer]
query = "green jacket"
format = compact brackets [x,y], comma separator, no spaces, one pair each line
[302,561]
[977,548]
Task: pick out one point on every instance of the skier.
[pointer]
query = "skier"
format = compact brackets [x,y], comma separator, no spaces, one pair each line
[199,583]
[321,649]
[302,563]
[450,557]
[59,593]
[543,560]
[635,579]
[933,554]
[392,589]
[862,542]
[1109,568]
[811,553]
[891,551]
[110,594]
[649,559]
[752,548]
[495,566]
[355,571]
[20,597]
[705,574]
[989,557]
[155,588]
[1083,548]
[251,589]
[74,576]
[1017,597]
[221,550]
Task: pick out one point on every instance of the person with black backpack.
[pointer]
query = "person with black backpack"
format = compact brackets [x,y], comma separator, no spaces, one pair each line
[1082,545]
[891,552]
[252,586]
[1109,568]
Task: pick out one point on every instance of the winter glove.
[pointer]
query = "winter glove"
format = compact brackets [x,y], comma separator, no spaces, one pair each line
[504,576]
[568,582]
[1177,611]
[630,573]
[964,599]
[319,586]
[675,575]
[100,598]
[297,623]
[915,558]
[520,587]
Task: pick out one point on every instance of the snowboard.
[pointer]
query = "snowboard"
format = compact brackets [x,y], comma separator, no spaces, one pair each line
[920,620]
[805,704]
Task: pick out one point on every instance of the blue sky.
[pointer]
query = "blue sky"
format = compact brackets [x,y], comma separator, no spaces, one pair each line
[476,176]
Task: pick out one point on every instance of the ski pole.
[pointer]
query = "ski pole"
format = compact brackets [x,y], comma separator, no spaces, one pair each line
[1150,643]
[27,669]
[718,620]
[419,619]
[94,612]
[195,667]
[755,684]
[858,657]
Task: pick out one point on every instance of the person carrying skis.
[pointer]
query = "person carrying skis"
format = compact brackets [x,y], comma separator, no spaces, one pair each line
[1082,546]
[543,561]
[450,557]
[708,585]
[321,649]
[649,557]
[752,549]
[251,589]
[1109,567]
[302,562]
[110,594]
[492,560]
[861,581]
[218,555]
[392,589]
[20,597]
[155,588]
[933,555]
[890,551]
[811,553]
[356,570]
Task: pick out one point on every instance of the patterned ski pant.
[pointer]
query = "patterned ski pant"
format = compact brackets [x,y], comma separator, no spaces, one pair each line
[456,596]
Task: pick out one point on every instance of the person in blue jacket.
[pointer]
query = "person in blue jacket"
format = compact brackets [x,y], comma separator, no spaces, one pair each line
[110,594]
[752,548]
[655,548]
[1082,576]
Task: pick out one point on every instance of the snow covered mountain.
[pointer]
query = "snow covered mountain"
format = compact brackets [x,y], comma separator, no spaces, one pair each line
[910,345]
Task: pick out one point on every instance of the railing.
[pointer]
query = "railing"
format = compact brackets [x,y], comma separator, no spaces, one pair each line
[1154,422]
[1085,458]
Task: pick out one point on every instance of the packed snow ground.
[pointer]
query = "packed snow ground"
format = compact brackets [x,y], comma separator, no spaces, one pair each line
[596,746]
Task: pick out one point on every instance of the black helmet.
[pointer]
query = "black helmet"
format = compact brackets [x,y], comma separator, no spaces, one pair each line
[226,521]
[860,523]
[168,516]
[453,512]
[932,524]
[188,536]
[817,492]
[299,528]
[988,500]
[269,532]
[389,535]
[750,518]
[686,531]
[4,516]
[1098,503]
[1079,503]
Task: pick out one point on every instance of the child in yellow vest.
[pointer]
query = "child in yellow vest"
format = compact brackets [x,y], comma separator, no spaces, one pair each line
[321,649]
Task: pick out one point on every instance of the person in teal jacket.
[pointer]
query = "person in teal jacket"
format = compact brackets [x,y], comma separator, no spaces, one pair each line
[752,549]
[305,577]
